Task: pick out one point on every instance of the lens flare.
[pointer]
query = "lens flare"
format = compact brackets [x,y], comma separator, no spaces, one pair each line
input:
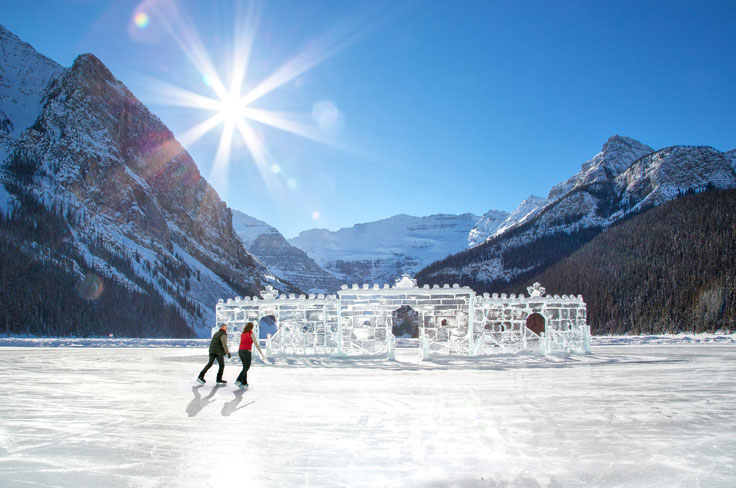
[141,20]
[90,287]
[315,215]
[229,98]
[328,117]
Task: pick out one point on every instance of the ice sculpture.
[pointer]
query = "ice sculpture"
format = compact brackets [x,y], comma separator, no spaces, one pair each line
[453,321]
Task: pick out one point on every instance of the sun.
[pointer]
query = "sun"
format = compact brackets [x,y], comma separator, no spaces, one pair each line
[231,110]
[228,104]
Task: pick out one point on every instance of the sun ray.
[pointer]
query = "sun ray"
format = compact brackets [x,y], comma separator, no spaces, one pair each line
[289,122]
[260,156]
[340,37]
[218,175]
[175,96]
[230,103]
[246,27]
[198,131]
[179,26]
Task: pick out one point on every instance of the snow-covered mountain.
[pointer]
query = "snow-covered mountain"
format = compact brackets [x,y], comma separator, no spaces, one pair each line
[667,173]
[497,222]
[381,251]
[136,210]
[625,177]
[617,154]
[731,155]
[284,260]
[249,228]
[24,76]
[486,226]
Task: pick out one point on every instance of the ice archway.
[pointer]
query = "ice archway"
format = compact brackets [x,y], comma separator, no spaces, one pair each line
[453,321]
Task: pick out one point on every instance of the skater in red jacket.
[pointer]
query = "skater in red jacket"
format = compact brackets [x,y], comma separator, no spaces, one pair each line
[247,341]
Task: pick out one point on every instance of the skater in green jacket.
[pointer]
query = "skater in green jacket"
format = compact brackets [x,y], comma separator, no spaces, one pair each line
[218,349]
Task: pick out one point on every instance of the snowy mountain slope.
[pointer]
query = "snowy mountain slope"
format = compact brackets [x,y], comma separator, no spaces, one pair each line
[487,225]
[138,210]
[667,269]
[624,177]
[249,228]
[615,157]
[381,251]
[284,260]
[496,222]
[731,155]
[521,214]
[667,173]
[24,75]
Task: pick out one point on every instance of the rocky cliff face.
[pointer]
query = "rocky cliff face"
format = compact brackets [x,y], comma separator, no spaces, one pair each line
[625,177]
[286,261]
[125,186]
[667,173]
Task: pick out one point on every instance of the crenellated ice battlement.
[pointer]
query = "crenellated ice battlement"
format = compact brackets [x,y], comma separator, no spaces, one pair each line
[453,320]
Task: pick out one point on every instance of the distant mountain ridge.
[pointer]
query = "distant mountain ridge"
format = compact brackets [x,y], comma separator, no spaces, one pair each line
[126,202]
[249,228]
[381,251]
[286,261]
[625,177]
[495,222]
[671,268]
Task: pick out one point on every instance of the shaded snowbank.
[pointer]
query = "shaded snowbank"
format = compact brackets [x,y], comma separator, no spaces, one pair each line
[647,340]
[99,342]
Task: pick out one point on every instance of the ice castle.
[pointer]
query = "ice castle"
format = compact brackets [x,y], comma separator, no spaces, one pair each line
[452,321]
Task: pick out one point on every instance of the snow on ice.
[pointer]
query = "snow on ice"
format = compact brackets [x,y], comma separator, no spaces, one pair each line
[625,415]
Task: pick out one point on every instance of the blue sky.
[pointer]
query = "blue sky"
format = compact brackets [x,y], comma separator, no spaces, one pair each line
[420,107]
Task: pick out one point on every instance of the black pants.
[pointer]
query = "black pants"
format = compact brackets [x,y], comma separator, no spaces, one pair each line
[245,359]
[221,363]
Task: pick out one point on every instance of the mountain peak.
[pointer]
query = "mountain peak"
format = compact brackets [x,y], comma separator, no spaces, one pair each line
[533,199]
[617,145]
[127,188]
[24,75]
[618,139]
[90,65]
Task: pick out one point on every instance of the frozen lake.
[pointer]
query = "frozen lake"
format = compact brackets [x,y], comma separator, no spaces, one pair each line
[625,416]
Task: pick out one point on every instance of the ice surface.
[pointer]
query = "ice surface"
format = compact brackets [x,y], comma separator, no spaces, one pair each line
[625,416]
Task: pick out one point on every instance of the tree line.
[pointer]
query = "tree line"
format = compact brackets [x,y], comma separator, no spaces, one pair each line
[44,288]
[669,269]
